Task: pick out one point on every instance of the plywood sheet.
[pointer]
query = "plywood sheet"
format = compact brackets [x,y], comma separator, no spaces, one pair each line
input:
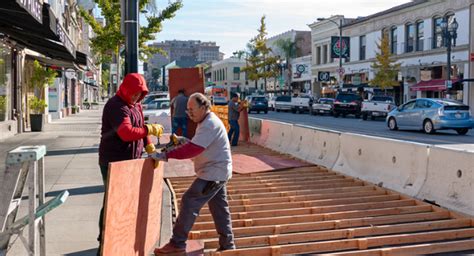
[132,208]
[251,164]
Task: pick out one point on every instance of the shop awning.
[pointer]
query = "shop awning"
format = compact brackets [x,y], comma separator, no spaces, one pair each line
[431,85]
[47,37]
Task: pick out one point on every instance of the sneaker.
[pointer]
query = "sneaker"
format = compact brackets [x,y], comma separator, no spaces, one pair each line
[170,249]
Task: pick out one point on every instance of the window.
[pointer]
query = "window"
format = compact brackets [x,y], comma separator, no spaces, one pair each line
[318,55]
[393,40]
[409,37]
[325,54]
[236,71]
[420,35]
[362,45]
[437,33]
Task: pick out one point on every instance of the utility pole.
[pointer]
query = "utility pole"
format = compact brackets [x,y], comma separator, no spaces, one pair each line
[131,36]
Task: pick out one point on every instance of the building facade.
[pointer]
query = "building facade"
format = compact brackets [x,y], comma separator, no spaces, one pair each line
[177,50]
[228,73]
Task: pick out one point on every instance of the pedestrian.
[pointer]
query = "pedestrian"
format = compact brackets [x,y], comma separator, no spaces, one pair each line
[124,132]
[234,109]
[179,118]
[210,149]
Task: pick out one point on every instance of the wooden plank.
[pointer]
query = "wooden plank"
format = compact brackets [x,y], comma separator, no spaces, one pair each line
[312,209]
[317,217]
[324,225]
[244,164]
[418,249]
[343,233]
[344,183]
[351,244]
[323,202]
[259,181]
[133,207]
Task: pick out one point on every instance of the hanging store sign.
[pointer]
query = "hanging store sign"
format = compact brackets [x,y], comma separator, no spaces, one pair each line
[340,49]
[64,38]
[33,7]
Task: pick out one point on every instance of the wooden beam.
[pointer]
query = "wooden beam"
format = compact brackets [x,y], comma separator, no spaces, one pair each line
[348,233]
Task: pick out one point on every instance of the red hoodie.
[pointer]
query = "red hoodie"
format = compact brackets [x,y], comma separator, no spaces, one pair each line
[123,133]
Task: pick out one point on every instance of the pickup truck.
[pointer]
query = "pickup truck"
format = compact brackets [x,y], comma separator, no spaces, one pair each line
[283,103]
[300,104]
[378,106]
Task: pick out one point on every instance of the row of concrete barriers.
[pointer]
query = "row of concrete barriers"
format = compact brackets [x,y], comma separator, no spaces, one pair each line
[441,175]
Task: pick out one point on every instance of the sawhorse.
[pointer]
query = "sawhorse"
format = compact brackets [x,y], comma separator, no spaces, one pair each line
[25,164]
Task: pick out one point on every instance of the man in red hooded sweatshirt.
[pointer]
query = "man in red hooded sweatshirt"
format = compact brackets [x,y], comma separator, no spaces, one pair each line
[124,132]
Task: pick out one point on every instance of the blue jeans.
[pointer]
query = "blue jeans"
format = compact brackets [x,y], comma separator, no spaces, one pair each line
[198,194]
[180,122]
[234,132]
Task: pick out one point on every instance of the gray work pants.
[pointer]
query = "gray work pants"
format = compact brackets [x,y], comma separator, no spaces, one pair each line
[199,193]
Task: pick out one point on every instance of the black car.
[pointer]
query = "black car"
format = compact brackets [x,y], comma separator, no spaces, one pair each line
[347,103]
[257,103]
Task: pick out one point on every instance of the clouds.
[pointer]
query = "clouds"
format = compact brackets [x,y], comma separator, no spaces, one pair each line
[232,23]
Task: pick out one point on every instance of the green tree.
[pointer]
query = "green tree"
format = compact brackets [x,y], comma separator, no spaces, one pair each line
[385,66]
[289,48]
[239,54]
[108,38]
[261,63]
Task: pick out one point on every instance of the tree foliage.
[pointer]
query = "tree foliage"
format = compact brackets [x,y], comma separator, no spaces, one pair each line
[108,38]
[260,63]
[385,66]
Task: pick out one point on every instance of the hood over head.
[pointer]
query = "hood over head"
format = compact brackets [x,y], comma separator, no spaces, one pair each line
[131,84]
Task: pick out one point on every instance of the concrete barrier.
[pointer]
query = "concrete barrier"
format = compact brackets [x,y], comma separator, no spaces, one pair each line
[450,179]
[393,164]
[323,149]
[255,130]
[279,135]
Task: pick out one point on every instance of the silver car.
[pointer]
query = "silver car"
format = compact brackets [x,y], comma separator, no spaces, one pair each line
[430,115]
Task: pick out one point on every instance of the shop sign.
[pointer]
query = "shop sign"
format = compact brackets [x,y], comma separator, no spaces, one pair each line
[340,48]
[425,75]
[33,7]
[64,38]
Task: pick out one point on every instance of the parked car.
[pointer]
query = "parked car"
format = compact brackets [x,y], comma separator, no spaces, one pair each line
[154,95]
[322,106]
[378,106]
[271,103]
[158,107]
[257,103]
[300,104]
[347,103]
[430,115]
[283,103]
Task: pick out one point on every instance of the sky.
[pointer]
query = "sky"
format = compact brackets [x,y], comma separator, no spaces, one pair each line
[232,23]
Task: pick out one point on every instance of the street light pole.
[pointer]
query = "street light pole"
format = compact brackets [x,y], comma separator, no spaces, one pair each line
[449,35]
[339,26]
[131,36]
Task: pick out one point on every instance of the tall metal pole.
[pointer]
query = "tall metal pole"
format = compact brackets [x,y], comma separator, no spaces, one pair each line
[340,52]
[448,63]
[131,36]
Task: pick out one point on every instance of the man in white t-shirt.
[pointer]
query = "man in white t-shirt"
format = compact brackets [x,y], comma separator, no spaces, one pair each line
[210,150]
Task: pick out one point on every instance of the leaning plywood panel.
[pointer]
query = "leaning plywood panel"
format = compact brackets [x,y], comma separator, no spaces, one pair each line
[133,207]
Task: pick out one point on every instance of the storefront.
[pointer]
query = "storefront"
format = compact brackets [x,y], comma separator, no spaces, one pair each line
[7,97]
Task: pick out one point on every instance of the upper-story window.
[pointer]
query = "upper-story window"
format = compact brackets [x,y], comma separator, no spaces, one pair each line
[420,35]
[318,55]
[325,54]
[410,37]
[437,32]
[362,47]
[393,40]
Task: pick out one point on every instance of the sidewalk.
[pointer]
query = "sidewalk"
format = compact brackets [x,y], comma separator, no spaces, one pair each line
[71,163]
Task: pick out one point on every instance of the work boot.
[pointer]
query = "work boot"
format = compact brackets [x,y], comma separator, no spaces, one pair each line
[170,249]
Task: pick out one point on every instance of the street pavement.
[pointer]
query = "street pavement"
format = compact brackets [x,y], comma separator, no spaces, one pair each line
[374,128]
[71,163]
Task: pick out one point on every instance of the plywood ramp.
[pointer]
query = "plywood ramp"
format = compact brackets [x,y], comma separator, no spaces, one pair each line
[311,209]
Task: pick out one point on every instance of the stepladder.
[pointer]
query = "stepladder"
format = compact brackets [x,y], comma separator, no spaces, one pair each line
[25,169]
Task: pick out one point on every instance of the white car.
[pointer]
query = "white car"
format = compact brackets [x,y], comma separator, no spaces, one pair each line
[158,112]
[271,103]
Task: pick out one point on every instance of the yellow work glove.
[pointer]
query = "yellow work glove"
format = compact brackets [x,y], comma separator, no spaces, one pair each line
[150,148]
[155,129]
